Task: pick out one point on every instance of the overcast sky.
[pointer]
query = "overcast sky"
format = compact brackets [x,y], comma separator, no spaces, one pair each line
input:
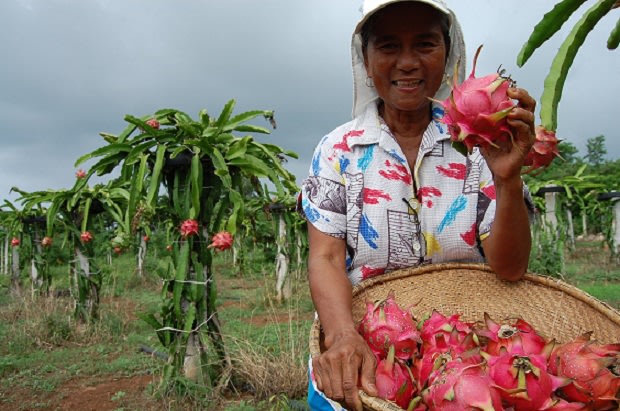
[73,68]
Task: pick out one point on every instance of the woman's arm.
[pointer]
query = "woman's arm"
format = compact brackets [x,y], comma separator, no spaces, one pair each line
[347,363]
[507,248]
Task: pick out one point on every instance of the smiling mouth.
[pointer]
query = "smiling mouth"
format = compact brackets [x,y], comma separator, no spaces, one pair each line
[407,83]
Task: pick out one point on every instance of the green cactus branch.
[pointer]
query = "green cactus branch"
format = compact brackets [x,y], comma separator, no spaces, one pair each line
[549,25]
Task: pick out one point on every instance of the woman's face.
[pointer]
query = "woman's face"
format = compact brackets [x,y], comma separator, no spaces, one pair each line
[406,55]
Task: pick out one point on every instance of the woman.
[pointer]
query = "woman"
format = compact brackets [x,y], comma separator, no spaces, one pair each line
[387,190]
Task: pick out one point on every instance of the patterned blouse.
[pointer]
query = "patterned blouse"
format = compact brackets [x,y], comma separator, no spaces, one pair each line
[361,189]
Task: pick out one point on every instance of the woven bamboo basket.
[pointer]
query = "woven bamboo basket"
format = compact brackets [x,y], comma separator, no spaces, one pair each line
[553,307]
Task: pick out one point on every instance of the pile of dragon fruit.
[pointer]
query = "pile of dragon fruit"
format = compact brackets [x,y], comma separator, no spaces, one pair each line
[443,363]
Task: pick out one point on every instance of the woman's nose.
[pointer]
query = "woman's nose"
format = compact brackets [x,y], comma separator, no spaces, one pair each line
[408,60]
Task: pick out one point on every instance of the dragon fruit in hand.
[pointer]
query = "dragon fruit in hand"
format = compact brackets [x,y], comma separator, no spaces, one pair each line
[476,110]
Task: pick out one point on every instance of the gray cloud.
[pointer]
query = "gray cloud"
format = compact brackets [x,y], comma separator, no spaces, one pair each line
[73,68]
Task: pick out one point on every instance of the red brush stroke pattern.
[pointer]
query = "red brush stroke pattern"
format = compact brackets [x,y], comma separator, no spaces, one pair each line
[470,236]
[372,196]
[426,195]
[454,170]
[344,144]
[489,191]
[368,272]
[396,172]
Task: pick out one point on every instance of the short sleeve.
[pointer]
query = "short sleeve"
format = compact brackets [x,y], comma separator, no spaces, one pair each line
[322,199]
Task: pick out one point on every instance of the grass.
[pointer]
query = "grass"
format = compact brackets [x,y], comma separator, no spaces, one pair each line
[47,362]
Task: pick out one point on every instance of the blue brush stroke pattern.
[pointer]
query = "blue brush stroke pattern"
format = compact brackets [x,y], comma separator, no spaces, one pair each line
[311,213]
[396,155]
[366,159]
[368,232]
[316,164]
[344,164]
[457,206]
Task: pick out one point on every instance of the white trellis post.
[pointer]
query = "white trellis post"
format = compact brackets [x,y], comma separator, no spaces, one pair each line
[283,282]
[550,218]
[616,227]
[614,197]
[570,228]
[141,256]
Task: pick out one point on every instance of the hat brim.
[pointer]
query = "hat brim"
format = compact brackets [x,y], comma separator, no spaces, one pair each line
[374,8]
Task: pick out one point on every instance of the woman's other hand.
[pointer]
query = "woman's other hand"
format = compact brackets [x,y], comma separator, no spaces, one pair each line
[345,366]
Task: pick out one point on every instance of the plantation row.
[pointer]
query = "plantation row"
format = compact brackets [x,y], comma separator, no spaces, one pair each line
[220,191]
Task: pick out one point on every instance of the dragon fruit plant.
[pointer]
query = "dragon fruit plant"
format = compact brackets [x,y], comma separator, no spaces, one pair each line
[441,363]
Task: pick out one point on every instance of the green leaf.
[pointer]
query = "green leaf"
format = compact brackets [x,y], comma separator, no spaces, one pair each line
[196,184]
[180,276]
[126,133]
[190,316]
[554,83]
[138,150]
[225,115]
[204,117]
[547,27]
[110,138]
[242,118]
[107,151]
[221,168]
[279,150]
[614,37]
[238,148]
[156,175]
[253,165]
[150,319]
[87,204]
[236,200]
[249,128]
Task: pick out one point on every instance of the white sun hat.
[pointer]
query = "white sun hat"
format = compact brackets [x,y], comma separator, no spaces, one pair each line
[362,94]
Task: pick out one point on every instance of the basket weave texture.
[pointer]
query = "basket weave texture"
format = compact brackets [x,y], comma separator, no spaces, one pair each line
[553,307]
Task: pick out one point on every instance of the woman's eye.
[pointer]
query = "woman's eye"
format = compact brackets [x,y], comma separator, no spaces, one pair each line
[388,46]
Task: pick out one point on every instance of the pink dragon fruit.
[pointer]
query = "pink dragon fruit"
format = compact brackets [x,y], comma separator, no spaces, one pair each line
[222,241]
[525,382]
[594,370]
[189,227]
[46,242]
[15,242]
[80,174]
[153,123]
[386,325]
[440,333]
[544,150]
[459,386]
[476,110]
[86,237]
[394,381]
[520,335]
[434,358]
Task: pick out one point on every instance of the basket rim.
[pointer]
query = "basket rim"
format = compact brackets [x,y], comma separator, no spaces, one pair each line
[555,283]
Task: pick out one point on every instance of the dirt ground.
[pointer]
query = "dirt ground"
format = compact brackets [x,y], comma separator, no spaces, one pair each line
[102,393]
